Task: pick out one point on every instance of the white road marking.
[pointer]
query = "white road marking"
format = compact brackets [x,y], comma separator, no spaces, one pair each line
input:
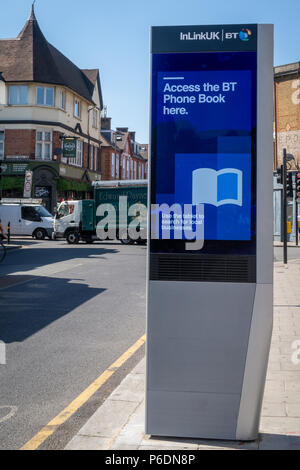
[13,410]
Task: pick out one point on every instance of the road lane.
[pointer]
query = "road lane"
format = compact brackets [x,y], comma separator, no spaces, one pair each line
[83,307]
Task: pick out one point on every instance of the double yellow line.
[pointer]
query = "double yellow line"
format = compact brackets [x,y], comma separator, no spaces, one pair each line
[64,415]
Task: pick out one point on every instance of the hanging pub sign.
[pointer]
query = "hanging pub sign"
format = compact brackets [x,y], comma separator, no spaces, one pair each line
[69,147]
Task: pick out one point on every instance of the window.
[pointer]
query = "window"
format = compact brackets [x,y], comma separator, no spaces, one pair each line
[17,94]
[44,96]
[117,167]
[127,169]
[62,158]
[135,170]
[62,99]
[113,163]
[131,169]
[77,108]
[79,155]
[30,213]
[43,150]
[91,157]
[123,167]
[1,145]
[95,159]
[64,209]
[95,118]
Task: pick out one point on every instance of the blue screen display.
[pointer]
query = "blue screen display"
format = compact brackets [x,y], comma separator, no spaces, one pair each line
[203,138]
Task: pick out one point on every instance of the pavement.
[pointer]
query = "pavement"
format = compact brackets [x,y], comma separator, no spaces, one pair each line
[118,424]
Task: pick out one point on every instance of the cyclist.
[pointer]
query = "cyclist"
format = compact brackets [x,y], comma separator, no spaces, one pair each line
[2,236]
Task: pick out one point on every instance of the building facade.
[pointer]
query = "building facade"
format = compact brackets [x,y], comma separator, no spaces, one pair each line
[287,113]
[121,158]
[44,98]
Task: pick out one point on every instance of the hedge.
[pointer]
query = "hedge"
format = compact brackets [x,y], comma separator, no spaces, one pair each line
[69,185]
[11,182]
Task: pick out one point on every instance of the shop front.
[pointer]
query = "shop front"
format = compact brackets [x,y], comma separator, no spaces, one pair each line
[44,180]
[51,181]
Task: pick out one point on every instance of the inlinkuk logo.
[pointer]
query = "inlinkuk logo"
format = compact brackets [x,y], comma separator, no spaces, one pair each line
[243,35]
[208,36]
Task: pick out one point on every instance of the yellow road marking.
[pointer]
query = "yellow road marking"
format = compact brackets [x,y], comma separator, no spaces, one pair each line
[64,415]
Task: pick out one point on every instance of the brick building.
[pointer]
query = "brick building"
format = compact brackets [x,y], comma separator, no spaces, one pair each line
[121,155]
[43,98]
[287,112]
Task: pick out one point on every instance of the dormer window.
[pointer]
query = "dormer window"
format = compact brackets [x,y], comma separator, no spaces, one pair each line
[17,94]
[44,96]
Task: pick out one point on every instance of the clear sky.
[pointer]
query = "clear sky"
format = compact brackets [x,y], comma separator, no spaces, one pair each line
[114,37]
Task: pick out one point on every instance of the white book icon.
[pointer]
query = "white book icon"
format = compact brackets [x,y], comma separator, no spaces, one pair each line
[218,187]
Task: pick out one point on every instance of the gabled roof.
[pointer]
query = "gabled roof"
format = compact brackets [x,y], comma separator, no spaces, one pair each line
[106,140]
[30,57]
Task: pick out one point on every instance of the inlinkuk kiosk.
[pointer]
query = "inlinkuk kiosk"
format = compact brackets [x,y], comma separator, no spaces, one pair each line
[209,300]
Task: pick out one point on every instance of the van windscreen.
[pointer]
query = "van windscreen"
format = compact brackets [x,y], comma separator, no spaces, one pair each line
[42,211]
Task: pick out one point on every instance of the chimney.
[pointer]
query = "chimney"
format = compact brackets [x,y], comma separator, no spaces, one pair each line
[132,136]
[106,123]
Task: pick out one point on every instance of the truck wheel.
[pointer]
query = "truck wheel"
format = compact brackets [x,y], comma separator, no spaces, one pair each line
[124,239]
[72,238]
[39,234]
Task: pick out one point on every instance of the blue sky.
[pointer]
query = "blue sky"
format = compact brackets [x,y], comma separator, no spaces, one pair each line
[114,37]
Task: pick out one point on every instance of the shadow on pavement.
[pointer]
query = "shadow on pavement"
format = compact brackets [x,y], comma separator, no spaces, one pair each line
[28,259]
[29,308]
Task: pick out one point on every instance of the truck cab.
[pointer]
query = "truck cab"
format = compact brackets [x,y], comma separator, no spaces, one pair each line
[67,221]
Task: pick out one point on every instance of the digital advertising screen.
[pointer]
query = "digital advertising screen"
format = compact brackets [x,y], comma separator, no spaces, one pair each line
[203,147]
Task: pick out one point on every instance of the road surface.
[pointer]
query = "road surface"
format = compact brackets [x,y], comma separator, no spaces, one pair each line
[67,313]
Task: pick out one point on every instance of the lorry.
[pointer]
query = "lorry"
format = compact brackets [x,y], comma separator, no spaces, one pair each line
[26,216]
[79,220]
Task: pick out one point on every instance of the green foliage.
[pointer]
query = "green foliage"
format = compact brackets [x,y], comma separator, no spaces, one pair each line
[69,185]
[11,182]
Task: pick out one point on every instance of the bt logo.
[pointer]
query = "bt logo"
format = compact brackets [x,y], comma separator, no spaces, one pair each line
[245,34]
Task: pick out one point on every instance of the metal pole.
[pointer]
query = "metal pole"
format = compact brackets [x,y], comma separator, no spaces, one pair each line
[0,182]
[296,222]
[284,173]
[295,208]
[8,233]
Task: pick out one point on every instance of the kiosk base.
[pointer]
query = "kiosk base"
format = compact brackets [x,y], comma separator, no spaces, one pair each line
[205,377]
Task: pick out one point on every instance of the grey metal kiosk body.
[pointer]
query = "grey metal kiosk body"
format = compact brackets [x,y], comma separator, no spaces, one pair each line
[209,311]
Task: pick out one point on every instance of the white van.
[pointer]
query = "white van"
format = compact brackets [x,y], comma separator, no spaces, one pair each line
[26,218]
